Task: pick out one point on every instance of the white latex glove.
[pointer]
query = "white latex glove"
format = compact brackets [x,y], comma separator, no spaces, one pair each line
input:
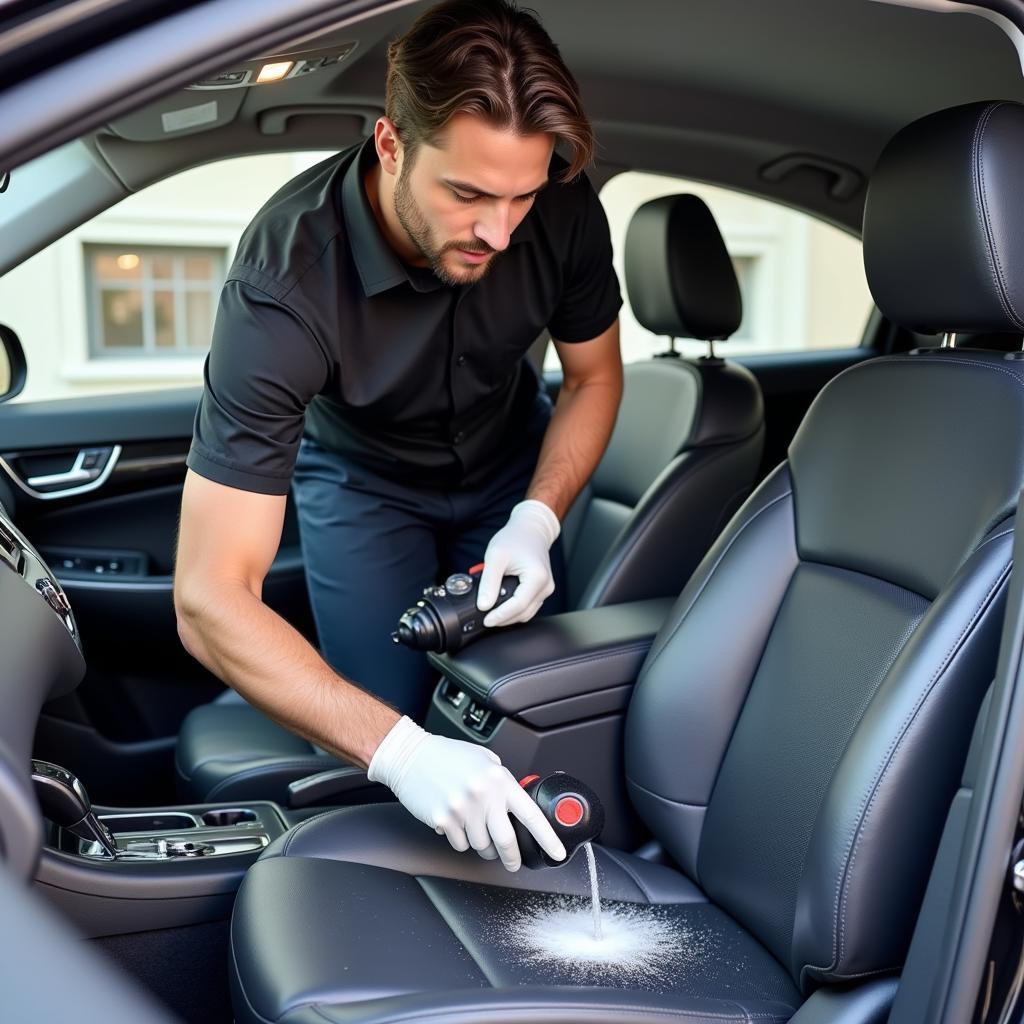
[520,548]
[461,790]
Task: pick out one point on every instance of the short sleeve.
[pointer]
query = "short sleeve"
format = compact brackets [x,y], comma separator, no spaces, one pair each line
[263,369]
[591,298]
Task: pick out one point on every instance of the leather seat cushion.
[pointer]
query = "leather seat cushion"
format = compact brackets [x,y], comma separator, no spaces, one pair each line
[229,750]
[372,917]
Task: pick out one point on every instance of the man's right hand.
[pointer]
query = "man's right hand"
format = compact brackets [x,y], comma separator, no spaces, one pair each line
[461,790]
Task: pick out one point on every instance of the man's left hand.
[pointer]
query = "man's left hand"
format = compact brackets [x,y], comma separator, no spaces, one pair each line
[520,548]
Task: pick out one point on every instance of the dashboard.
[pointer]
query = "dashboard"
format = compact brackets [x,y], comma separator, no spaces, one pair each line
[40,658]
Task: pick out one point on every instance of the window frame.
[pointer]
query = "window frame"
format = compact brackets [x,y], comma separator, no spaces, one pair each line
[182,228]
[177,285]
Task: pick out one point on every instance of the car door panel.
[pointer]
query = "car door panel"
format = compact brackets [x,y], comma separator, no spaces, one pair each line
[111,543]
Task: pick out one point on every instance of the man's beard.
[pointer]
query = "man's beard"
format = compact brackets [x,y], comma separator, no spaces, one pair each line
[415,224]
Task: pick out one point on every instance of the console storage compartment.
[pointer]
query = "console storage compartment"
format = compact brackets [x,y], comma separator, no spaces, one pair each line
[551,695]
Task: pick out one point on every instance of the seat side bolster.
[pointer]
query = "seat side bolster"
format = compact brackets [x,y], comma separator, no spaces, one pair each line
[697,676]
[880,821]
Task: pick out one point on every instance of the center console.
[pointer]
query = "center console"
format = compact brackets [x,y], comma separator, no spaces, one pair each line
[552,695]
[114,870]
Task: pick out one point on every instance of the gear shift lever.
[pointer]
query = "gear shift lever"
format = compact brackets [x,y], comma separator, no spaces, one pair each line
[64,801]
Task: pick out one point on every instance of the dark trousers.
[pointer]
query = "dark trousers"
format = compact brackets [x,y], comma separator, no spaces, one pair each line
[371,545]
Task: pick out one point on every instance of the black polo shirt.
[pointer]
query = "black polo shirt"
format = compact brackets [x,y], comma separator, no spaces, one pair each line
[322,328]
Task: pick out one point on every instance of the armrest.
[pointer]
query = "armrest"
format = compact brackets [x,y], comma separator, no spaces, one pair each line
[558,658]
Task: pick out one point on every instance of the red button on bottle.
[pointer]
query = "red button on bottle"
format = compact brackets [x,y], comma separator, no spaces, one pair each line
[568,811]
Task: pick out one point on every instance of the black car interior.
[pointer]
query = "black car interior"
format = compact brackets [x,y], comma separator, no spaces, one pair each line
[778,746]
[686,448]
[788,577]
[799,726]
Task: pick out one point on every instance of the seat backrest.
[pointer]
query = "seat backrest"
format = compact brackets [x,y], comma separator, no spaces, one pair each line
[802,720]
[687,443]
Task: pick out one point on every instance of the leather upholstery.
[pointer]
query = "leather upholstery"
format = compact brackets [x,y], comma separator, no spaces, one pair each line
[228,750]
[794,744]
[956,428]
[828,654]
[679,275]
[686,449]
[943,250]
[559,657]
[455,952]
[794,741]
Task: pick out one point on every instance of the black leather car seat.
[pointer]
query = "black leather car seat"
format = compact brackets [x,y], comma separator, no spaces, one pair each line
[690,432]
[800,724]
[686,450]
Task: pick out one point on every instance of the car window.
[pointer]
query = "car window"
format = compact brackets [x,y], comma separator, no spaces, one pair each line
[126,301]
[802,280]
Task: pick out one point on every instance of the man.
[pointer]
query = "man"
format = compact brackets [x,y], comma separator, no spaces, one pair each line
[384,301]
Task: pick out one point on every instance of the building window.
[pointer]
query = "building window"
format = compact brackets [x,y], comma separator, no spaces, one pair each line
[150,301]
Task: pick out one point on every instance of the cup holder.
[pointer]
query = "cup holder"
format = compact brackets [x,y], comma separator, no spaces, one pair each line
[229,816]
[148,822]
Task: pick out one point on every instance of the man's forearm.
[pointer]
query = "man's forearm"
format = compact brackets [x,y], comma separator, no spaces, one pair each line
[576,438]
[238,638]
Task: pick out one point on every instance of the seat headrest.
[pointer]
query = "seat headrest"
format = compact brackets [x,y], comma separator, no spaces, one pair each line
[679,276]
[944,224]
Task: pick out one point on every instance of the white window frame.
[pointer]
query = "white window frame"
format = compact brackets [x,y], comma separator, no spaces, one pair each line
[150,227]
[148,286]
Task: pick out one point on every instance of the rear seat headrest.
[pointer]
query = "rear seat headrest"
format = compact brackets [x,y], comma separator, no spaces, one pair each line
[679,276]
[944,222]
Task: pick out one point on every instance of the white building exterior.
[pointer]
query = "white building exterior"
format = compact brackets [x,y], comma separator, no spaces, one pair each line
[112,306]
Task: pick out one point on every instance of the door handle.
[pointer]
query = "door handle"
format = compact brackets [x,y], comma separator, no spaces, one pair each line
[90,469]
[77,474]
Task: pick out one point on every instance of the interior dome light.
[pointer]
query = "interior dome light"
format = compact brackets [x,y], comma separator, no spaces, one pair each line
[274,72]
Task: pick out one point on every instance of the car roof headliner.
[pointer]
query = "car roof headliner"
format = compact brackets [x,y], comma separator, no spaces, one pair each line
[711,89]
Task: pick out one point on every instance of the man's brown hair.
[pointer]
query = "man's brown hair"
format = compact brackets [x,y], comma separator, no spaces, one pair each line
[491,59]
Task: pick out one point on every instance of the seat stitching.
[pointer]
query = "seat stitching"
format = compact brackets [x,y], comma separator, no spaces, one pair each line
[903,733]
[883,767]
[978,173]
[667,799]
[657,649]
[263,769]
[988,540]
[869,974]
[945,362]
[629,871]
[979,205]
[440,913]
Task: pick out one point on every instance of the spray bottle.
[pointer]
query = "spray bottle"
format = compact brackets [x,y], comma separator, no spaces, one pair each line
[572,808]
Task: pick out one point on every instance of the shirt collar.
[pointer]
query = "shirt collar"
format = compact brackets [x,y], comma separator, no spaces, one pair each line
[378,264]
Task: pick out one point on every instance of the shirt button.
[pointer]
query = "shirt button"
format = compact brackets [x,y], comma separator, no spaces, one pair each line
[461,361]
[457,439]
